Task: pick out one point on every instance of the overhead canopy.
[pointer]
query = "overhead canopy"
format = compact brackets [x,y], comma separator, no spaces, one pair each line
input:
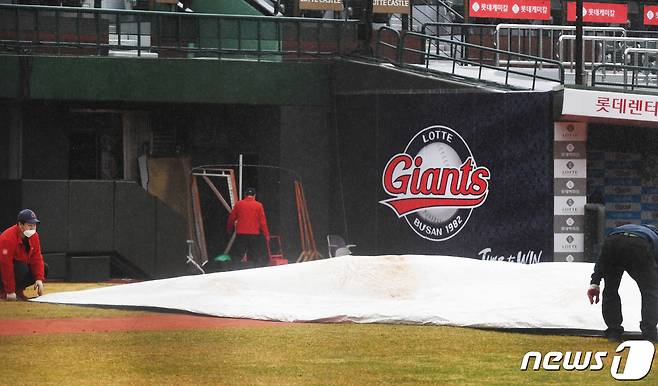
[439,290]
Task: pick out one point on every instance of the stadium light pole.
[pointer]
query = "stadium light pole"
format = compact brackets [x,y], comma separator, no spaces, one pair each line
[579,43]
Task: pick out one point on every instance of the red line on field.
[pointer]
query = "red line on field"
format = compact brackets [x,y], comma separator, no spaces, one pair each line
[22,327]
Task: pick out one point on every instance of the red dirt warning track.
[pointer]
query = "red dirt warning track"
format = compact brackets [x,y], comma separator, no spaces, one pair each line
[22,327]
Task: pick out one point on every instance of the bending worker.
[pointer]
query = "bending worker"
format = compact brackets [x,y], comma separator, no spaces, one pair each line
[248,218]
[21,262]
[634,249]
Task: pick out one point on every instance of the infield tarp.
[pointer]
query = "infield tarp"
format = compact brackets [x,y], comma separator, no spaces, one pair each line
[412,289]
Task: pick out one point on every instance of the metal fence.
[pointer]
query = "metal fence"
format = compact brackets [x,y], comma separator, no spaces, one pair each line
[525,39]
[76,31]
[542,40]
[642,57]
[642,34]
[599,50]
[478,34]
[410,48]
[424,11]
[633,78]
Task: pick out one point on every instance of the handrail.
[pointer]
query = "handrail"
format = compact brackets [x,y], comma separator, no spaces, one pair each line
[452,10]
[648,74]
[531,30]
[641,34]
[396,46]
[430,3]
[457,25]
[88,31]
[618,44]
[465,33]
[403,48]
[647,51]
[558,27]
[412,16]
[611,38]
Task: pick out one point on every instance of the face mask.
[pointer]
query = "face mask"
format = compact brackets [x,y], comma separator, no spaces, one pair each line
[29,232]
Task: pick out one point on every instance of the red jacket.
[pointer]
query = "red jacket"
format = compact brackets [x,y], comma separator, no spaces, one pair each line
[12,248]
[250,217]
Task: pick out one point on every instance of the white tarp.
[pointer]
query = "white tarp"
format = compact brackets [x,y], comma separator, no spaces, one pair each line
[438,290]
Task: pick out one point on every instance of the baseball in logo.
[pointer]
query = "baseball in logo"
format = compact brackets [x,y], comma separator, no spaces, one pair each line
[435,184]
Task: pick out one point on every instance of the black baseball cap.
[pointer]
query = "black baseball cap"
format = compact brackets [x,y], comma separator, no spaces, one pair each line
[27,216]
[250,192]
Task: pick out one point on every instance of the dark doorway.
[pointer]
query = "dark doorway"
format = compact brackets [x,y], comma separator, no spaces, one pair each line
[96,146]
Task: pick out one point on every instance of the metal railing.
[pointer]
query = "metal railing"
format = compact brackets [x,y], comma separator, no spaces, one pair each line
[404,52]
[393,49]
[642,34]
[478,34]
[602,49]
[542,40]
[641,57]
[76,31]
[634,77]
[422,11]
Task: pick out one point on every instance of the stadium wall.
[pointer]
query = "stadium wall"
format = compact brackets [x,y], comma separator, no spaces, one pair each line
[336,135]
[126,80]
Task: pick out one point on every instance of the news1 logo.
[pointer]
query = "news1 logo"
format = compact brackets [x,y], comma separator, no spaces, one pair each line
[638,360]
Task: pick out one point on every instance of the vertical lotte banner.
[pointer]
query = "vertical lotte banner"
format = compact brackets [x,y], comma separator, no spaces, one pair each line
[570,190]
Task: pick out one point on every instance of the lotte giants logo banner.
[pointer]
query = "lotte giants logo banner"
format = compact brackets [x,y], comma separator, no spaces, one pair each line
[511,9]
[436,183]
[651,15]
[600,12]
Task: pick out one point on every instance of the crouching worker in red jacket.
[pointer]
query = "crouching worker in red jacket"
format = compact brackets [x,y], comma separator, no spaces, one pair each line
[21,262]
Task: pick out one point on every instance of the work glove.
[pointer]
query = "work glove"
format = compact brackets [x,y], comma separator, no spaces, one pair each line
[38,286]
[11,296]
[593,293]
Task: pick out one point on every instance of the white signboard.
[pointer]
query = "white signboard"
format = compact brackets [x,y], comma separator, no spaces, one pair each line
[613,105]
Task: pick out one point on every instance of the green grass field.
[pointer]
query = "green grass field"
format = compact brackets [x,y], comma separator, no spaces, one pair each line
[297,354]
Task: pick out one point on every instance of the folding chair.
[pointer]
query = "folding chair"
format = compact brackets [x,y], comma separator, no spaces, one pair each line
[338,247]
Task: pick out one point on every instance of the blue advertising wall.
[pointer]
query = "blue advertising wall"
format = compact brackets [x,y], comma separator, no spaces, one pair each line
[510,134]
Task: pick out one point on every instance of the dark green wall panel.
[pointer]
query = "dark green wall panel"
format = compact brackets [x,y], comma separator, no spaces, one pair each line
[9,76]
[177,80]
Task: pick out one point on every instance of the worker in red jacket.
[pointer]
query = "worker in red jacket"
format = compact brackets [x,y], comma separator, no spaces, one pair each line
[248,219]
[21,262]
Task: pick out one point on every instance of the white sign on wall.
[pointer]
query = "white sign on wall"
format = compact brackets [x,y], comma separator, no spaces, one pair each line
[613,105]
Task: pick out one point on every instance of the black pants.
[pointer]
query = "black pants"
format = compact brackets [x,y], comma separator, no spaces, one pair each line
[634,255]
[251,245]
[23,276]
